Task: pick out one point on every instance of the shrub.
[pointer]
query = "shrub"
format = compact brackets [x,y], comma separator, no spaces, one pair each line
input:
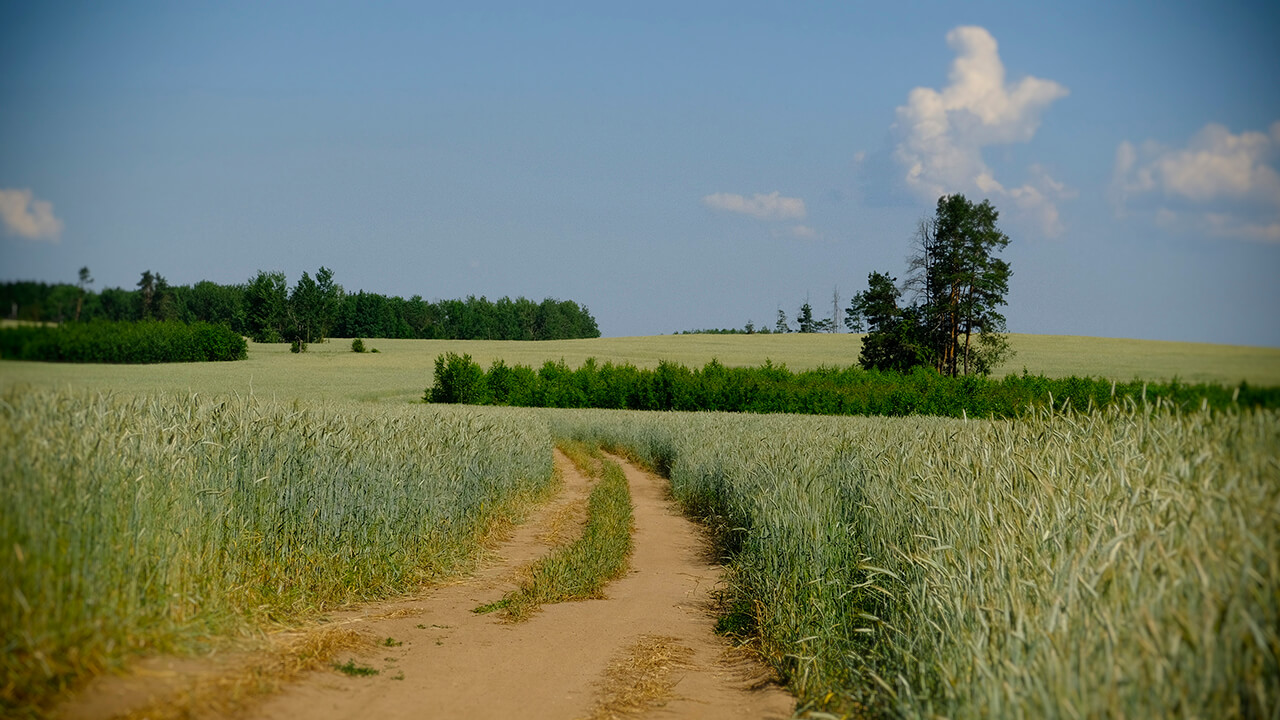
[458,379]
[357,345]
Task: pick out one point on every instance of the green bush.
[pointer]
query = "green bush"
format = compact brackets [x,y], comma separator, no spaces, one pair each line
[458,379]
[123,342]
[357,345]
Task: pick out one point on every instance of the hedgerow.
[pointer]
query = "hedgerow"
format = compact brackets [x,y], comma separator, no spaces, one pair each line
[123,342]
[826,391]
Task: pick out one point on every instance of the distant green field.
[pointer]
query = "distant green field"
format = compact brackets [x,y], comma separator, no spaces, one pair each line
[402,368]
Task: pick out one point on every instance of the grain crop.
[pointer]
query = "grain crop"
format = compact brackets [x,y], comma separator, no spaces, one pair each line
[1111,564]
[142,521]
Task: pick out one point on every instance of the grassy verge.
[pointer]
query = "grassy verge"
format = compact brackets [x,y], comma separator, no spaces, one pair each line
[580,570]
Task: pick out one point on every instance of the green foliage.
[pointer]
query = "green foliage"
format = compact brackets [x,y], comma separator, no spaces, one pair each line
[961,285]
[1123,563]
[955,325]
[825,391]
[875,308]
[267,310]
[129,523]
[312,310]
[155,298]
[266,301]
[804,320]
[357,345]
[750,329]
[895,344]
[210,302]
[781,326]
[458,379]
[122,342]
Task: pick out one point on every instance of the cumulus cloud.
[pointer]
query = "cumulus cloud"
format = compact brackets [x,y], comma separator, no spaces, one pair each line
[765,207]
[942,133]
[25,216]
[1221,183]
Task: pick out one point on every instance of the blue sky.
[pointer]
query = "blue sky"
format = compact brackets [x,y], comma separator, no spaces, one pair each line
[670,165]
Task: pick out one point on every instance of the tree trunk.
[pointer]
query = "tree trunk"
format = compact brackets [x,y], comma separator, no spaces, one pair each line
[967,331]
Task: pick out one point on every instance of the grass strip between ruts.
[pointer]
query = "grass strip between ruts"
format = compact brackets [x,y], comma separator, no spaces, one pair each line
[580,570]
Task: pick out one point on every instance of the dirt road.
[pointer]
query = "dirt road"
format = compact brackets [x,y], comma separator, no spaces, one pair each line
[647,650]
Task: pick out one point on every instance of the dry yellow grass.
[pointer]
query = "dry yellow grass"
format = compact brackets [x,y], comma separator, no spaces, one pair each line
[642,677]
[287,657]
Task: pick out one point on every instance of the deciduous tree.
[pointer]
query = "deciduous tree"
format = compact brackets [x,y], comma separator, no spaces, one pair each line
[266,300]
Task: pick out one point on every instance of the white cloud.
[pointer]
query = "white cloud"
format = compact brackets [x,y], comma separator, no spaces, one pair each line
[25,216]
[1220,184]
[765,207]
[943,132]
[804,232]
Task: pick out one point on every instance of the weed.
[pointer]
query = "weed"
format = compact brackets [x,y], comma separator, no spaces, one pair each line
[353,669]
[490,607]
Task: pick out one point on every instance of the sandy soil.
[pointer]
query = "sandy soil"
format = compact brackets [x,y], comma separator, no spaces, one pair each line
[647,650]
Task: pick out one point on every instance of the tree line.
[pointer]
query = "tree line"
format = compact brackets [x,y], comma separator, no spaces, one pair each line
[267,309]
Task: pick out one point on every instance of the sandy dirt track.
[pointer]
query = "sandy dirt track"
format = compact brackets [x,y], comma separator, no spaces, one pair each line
[647,650]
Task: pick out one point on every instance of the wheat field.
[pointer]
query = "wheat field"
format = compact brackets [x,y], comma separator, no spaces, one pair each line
[135,522]
[1118,564]
[1124,563]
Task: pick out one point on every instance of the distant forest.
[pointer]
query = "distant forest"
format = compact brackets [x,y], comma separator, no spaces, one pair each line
[266,309]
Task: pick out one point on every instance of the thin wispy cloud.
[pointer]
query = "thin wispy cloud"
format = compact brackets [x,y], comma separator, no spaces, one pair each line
[943,132]
[27,217]
[1222,184]
[764,207]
